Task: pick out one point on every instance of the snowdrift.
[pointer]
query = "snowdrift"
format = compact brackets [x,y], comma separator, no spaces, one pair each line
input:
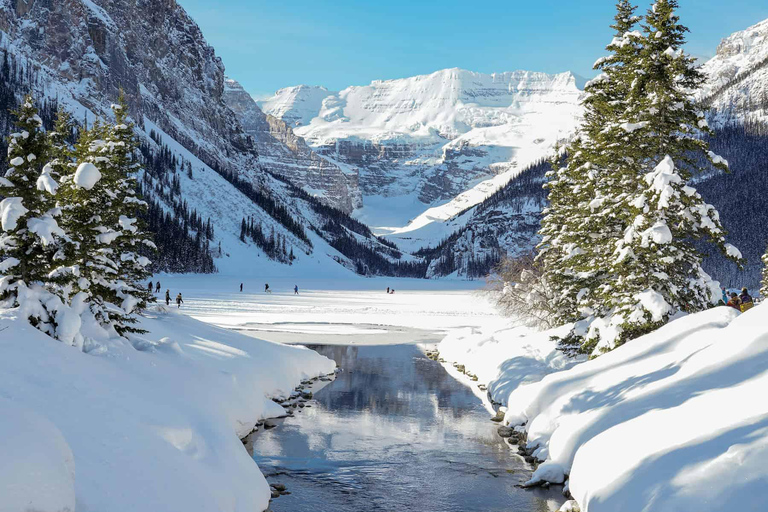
[675,420]
[151,424]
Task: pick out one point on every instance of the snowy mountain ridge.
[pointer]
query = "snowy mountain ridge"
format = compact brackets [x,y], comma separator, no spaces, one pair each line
[429,138]
[201,163]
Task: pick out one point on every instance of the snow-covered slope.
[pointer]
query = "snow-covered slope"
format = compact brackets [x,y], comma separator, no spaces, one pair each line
[431,138]
[737,86]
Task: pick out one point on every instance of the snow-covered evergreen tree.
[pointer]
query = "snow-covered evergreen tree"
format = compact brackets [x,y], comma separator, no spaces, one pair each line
[655,269]
[764,282]
[29,227]
[121,217]
[581,221]
[99,206]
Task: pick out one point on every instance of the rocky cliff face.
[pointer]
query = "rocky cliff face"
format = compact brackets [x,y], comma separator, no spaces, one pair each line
[282,151]
[737,86]
[434,136]
[87,50]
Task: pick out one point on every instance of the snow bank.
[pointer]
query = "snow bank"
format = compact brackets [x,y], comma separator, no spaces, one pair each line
[672,420]
[504,359]
[151,424]
[675,420]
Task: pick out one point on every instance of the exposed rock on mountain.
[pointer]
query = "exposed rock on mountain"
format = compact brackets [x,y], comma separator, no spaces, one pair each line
[87,50]
[737,86]
[282,151]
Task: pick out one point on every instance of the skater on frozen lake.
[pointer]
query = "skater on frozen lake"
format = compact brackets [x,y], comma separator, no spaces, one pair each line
[150,287]
[167,297]
[241,286]
[157,287]
[179,300]
[266,288]
[295,289]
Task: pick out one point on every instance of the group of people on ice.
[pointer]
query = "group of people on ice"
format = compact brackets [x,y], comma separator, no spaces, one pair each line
[156,287]
[743,302]
[267,289]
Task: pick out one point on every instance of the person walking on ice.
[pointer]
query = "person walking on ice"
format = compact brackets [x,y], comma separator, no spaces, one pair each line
[266,288]
[179,300]
[150,287]
[295,289]
[241,286]
[167,297]
[157,287]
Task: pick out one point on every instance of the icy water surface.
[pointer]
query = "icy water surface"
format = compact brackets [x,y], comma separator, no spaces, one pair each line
[394,432]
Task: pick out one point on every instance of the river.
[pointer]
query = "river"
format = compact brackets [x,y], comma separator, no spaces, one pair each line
[394,432]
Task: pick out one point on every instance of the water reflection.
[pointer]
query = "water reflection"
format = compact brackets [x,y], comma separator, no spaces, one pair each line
[394,432]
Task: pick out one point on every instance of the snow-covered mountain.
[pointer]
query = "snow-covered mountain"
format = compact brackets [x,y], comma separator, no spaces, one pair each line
[282,151]
[737,86]
[201,164]
[420,142]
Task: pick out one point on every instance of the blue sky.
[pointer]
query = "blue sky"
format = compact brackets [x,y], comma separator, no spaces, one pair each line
[269,44]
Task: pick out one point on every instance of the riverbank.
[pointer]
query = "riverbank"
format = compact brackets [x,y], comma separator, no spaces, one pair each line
[394,431]
[150,424]
[671,421]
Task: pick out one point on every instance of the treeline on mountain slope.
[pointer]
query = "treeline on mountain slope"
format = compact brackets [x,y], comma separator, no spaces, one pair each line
[510,216]
[370,255]
[180,247]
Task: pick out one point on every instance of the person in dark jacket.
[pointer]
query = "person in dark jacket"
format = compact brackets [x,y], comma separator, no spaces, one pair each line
[266,288]
[746,300]
[179,300]
[295,289]
[150,287]
[157,287]
[167,297]
[734,302]
[241,286]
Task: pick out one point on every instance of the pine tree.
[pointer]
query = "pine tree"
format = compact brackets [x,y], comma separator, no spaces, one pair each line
[121,219]
[655,268]
[582,221]
[30,230]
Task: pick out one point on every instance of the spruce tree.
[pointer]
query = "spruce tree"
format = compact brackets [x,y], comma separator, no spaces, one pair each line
[121,219]
[764,282]
[30,230]
[582,221]
[655,270]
